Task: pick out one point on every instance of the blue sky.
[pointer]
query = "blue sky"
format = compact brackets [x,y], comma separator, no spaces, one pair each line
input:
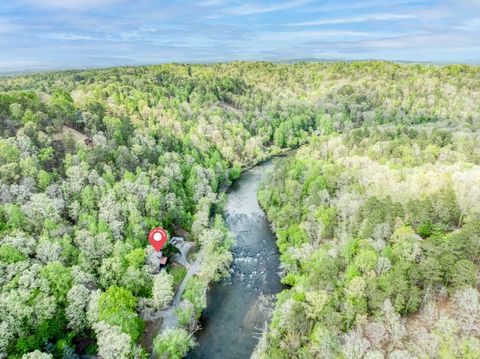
[43,34]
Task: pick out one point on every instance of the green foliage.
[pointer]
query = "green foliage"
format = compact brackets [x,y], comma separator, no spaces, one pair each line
[293,236]
[169,250]
[117,306]
[136,258]
[44,179]
[463,274]
[173,343]
[8,152]
[356,249]
[365,260]
[235,171]
[178,273]
[16,218]
[59,278]
[195,293]
[91,160]
[10,254]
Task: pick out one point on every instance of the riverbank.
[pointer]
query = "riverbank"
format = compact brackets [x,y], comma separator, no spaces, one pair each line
[239,306]
[169,316]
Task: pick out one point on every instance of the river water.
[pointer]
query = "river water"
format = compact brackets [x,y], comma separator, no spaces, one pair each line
[238,307]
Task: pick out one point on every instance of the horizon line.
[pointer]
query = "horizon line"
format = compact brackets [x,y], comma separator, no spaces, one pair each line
[37,70]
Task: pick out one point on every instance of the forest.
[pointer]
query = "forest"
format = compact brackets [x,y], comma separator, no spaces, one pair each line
[376,214]
[379,234]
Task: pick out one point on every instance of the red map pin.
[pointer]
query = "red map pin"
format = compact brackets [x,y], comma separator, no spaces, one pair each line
[157,238]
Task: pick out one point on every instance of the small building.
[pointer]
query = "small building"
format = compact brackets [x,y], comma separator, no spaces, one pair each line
[163,262]
[158,260]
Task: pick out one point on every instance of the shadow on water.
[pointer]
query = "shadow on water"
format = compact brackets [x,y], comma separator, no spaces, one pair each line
[238,307]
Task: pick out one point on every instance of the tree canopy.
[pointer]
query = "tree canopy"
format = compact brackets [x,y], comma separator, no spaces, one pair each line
[91,160]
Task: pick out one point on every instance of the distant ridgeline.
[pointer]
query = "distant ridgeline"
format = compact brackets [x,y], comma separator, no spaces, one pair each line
[373,224]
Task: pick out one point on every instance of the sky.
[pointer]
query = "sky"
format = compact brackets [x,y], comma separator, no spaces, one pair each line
[53,34]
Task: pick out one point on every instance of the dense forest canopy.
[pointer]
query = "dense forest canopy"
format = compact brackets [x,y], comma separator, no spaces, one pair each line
[379,234]
[91,160]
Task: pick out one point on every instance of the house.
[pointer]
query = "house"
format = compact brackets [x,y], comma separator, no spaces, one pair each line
[163,262]
[160,261]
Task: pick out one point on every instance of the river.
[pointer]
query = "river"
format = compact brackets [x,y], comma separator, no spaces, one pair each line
[238,307]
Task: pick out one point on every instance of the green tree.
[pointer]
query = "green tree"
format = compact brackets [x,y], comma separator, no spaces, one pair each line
[59,278]
[173,343]
[117,306]
[10,254]
[463,274]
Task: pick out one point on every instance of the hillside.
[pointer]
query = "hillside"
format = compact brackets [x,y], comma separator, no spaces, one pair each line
[379,234]
[91,160]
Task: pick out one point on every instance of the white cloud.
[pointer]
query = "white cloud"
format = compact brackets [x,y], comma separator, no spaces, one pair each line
[355,19]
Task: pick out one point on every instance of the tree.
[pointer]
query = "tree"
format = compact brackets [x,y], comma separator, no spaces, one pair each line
[400,354]
[162,289]
[112,342]
[169,250]
[37,354]
[44,179]
[173,343]
[467,302]
[10,254]
[117,307]
[112,271]
[195,293]
[78,298]
[355,345]
[464,274]
[315,302]
[59,278]
[62,108]
[136,258]
[366,260]
[155,145]
[376,333]
[393,323]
